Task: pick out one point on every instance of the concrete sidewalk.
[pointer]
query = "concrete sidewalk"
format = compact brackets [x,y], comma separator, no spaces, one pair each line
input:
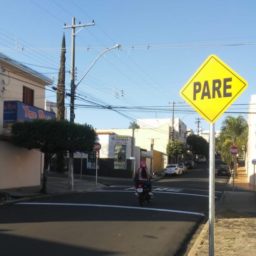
[56,185]
[235,232]
[59,184]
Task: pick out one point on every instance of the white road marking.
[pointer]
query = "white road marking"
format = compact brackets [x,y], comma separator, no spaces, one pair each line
[161,189]
[204,190]
[118,186]
[183,194]
[113,206]
[166,189]
[154,191]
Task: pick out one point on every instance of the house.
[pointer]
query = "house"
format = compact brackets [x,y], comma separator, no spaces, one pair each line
[118,155]
[22,97]
[251,145]
[115,155]
[153,136]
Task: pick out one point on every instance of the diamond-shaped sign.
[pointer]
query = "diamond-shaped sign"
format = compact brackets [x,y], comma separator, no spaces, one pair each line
[213,88]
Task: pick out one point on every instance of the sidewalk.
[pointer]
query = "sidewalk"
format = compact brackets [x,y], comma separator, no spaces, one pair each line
[56,185]
[59,184]
[235,223]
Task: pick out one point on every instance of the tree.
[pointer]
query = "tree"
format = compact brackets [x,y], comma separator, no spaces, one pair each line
[51,137]
[198,145]
[134,125]
[234,131]
[234,128]
[61,99]
[61,83]
[223,148]
[175,149]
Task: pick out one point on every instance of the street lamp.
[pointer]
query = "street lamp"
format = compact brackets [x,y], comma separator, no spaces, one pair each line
[73,88]
[72,104]
[116,46]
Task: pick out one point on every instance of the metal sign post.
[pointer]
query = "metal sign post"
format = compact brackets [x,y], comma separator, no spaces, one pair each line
[211,189]
[254,162]
[234,151]
[233,174]
[254,174]
[133,163]
[96,148]
[96,167]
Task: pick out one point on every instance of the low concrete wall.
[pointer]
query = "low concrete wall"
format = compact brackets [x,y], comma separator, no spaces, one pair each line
[19,167]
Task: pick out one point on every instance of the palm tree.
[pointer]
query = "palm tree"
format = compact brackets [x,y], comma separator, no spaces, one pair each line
[234,131]
[234,128]
[133,125]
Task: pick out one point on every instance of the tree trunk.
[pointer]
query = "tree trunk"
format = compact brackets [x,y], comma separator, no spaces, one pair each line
[71,170]
[45,173]
[60,162]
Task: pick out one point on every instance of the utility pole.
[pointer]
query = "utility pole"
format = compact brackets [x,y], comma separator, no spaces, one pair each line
[152,155]
[173,104]
[132,146]
[74,26]
[198,125]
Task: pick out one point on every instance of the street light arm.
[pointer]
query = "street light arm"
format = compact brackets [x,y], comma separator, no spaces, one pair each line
[79,25]
[117,46]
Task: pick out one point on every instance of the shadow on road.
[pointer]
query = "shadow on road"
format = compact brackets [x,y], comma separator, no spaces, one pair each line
[28,246]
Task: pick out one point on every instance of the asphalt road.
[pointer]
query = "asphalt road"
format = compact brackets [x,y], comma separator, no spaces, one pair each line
[109,221]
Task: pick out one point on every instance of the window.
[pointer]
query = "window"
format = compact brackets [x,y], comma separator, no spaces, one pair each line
[28,96]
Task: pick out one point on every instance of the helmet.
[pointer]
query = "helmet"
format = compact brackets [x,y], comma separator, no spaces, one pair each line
[142,164]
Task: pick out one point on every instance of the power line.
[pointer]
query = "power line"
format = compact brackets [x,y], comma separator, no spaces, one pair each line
[142,109]
[146,46]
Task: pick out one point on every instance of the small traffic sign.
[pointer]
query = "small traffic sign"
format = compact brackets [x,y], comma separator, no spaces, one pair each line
[254,161]
[213,88]
[97,146]
[233,150]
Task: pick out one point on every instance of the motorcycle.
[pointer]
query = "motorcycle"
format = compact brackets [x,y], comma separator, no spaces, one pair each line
[143,192]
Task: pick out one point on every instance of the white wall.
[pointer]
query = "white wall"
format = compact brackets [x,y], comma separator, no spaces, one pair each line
[1,115]
[108,142]
[251,150]
[105,145]
[19,167]
[14,89]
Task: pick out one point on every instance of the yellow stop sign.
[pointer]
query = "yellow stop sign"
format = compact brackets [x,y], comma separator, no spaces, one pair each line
[213,88]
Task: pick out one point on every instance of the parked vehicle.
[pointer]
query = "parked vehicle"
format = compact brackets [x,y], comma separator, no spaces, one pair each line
[143,192]
[190,164]
[172,169]
[183,167]
[223,170]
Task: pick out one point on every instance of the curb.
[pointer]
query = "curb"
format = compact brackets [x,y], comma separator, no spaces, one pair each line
[202,233]
[49,194]
[199,238]
[22,199]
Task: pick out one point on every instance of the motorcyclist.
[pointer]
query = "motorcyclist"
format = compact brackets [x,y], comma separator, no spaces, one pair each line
[143,175]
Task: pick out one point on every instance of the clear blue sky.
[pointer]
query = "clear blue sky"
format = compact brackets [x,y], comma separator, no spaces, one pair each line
[163,44]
